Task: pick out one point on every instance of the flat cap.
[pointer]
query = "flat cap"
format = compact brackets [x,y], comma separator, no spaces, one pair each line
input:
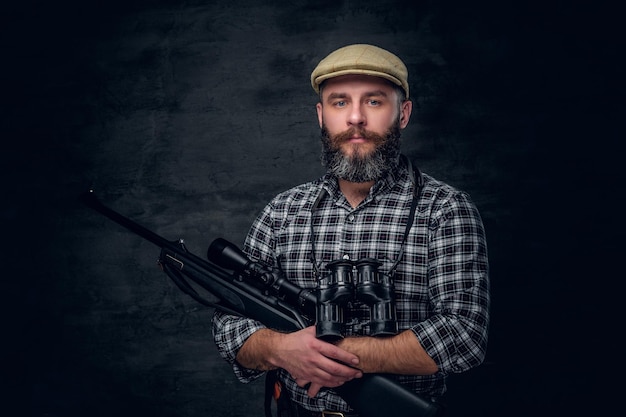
[361,59]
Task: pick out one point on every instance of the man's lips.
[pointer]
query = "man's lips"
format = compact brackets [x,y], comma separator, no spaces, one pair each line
[357,139]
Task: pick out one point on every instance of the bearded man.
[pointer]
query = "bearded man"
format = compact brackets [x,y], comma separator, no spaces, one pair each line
[426,237]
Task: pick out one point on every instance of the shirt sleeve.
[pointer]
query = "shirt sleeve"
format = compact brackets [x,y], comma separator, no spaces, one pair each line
[455,336]
[231,332]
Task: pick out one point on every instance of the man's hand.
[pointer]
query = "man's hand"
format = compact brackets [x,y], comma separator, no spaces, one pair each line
[308,359]
[318,363]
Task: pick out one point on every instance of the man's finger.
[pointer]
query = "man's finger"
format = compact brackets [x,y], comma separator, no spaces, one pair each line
[339,355]
[313,390]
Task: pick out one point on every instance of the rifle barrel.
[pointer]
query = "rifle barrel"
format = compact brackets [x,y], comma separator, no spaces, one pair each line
[90,199]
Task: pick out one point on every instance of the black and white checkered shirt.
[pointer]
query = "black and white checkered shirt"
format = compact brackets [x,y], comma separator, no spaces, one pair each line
[441,282]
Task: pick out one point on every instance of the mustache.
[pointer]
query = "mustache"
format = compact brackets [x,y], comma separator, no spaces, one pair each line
[355,131]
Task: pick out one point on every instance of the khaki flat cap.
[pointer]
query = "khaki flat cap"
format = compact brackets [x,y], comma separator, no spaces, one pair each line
[361,59]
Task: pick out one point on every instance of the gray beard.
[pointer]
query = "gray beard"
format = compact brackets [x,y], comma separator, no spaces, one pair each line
[358,168]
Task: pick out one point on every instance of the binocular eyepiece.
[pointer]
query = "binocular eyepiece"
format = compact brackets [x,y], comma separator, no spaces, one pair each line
[346,281]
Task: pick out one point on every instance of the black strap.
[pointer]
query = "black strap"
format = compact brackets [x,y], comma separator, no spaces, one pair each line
[418,184]
[313,208]
[270,381]
[177,276]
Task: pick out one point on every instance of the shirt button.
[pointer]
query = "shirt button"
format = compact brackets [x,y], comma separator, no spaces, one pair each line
[351,218]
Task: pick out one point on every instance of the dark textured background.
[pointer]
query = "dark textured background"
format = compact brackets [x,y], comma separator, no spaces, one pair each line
[188,116]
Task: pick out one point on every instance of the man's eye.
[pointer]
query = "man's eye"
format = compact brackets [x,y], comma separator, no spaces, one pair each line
[340,103]
[374,103]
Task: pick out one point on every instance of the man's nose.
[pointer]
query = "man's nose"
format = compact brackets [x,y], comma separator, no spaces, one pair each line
[356,116]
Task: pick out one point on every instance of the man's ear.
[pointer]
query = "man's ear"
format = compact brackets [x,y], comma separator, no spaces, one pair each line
[320,119]
[405,113]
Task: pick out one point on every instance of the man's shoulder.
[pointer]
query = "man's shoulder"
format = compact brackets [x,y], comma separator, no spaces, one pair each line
[438,186]
[300,194]
[440,192]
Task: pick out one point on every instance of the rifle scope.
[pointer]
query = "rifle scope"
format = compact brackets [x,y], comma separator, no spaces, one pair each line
[227,255]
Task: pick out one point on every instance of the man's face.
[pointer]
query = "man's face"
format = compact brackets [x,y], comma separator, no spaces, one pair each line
[361,119]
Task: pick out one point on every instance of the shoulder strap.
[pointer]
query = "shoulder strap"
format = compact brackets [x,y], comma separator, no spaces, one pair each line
[418,183]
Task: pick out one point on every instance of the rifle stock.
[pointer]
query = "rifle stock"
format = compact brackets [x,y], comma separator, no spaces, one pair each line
[373,395]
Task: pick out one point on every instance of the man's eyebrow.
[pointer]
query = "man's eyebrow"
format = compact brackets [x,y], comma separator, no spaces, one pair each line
[333,96]
[376,93]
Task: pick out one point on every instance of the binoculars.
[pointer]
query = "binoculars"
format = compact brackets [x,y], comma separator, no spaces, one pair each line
[345,281]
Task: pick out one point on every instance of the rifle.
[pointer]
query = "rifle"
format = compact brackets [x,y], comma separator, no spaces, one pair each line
[247,289]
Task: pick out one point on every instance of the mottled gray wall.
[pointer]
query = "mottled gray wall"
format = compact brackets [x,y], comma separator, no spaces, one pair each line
[189,116]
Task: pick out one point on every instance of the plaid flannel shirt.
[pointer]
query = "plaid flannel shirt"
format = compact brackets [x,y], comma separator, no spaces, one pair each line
[441,282]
